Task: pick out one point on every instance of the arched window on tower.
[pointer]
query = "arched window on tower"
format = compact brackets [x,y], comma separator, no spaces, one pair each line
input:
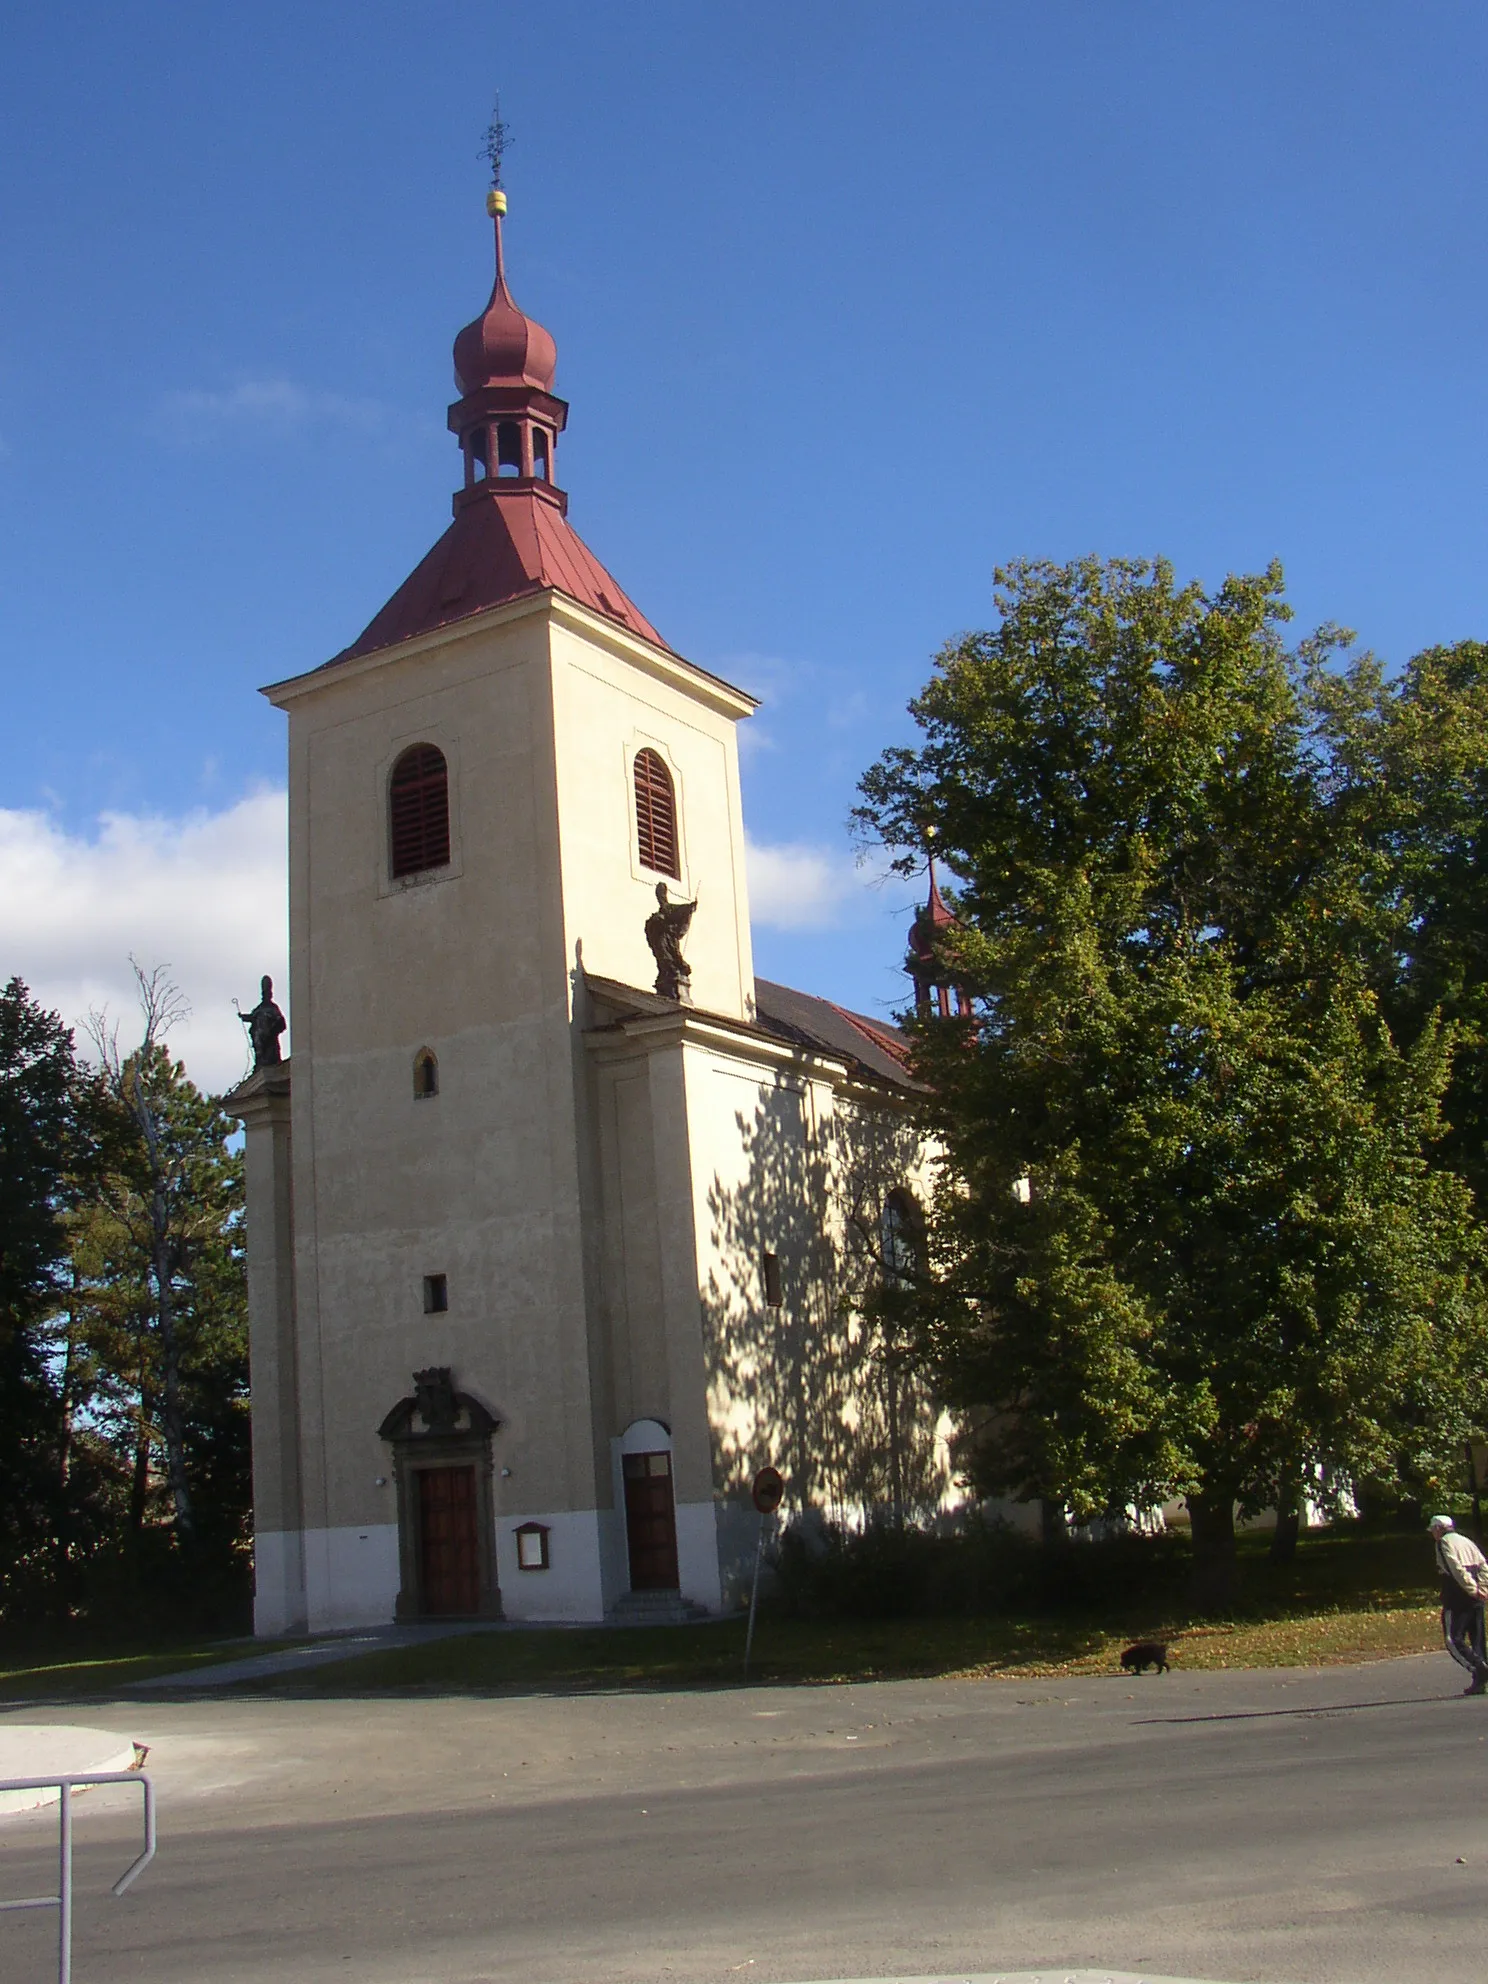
[540,453]
[425,1074]
[508,448]
[418,811]
[656,815]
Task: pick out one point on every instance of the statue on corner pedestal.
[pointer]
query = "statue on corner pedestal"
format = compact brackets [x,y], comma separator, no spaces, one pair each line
[265,1024]
[666,926]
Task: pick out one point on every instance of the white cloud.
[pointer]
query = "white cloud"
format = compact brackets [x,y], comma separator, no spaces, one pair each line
[203,895]
[275,407]
[796,886]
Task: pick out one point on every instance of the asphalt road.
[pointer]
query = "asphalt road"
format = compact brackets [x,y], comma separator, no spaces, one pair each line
[1308,1825]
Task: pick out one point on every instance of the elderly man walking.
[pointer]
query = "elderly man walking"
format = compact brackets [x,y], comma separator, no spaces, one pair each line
[1464,1585]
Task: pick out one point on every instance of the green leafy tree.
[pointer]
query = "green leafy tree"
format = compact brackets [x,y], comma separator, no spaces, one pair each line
[1190,1237]
[1409,771]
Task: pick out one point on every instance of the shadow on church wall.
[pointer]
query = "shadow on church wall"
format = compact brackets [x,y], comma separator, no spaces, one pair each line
[820,1386]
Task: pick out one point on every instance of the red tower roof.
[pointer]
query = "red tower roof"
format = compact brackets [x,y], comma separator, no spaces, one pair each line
[511,536]
[496,550]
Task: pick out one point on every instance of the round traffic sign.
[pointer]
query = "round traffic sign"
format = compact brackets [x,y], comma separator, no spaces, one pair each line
[769,1490]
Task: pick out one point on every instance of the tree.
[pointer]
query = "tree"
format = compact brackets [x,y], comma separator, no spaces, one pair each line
[1409,769]
[159,1251]
[1190,1238]
[46,1138]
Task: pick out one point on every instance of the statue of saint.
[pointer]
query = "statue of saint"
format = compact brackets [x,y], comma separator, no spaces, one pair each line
[666,926]
[265,1024]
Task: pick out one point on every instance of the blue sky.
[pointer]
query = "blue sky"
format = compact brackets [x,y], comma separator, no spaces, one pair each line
[851,304]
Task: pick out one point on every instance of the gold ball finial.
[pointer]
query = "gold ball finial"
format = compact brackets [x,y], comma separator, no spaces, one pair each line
[495,202]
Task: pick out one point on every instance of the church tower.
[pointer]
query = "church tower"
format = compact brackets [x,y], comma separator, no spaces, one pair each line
[486,789]
[559,1221]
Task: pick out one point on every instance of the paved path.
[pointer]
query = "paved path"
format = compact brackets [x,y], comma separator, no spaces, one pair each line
[1301,1827]
[296,1659]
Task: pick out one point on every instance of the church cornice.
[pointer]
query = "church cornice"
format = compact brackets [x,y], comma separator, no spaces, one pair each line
[658,662]
[653,1033]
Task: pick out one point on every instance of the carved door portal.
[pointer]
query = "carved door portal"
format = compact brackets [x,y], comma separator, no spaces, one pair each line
[650,1522]
[449,1539]
[441,1441]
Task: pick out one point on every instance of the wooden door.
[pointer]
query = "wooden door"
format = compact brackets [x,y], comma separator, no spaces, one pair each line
[449,1540]
[650,1522]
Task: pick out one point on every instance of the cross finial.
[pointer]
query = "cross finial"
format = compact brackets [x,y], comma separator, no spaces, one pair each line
[498,137]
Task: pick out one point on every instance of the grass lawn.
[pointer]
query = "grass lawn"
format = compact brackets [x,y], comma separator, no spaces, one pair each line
[1346,1597]
[62,1671]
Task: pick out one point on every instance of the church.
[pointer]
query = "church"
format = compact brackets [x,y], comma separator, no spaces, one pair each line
[559,1220]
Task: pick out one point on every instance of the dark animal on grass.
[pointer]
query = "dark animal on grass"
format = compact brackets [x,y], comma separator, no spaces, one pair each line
[1146,1653]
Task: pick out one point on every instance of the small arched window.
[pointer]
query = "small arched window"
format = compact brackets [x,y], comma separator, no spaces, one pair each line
[508,448]
[903,1239]
[656,815]
[540,453]
[418,811]
[425,1074]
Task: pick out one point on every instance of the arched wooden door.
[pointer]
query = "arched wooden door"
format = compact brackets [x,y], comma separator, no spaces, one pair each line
[650,1522]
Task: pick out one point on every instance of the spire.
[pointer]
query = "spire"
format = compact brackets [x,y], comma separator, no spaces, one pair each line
[511,534]
[508,419]
[933,991]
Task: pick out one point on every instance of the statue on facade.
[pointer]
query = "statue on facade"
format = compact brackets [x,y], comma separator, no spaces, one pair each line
[666,927]
[265,1024]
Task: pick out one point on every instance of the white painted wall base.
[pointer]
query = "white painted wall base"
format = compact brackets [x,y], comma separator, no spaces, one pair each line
[614,1553]
[278,1583]
[572,1587]
[697,1554]
[737,1529]
[326,1579]
[351,1576]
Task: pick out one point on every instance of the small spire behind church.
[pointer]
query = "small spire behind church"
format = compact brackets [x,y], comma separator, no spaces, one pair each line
[935,992]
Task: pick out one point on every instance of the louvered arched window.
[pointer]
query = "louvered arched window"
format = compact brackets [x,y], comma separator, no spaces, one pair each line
[418,811]
[656,815]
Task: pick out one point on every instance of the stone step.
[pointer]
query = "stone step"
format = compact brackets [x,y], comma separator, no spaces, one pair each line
[655,1608]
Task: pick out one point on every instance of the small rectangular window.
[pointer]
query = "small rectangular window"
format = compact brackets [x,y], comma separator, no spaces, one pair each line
[772,1281]
[436,1294]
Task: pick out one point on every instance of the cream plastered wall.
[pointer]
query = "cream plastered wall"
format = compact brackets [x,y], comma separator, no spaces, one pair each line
[797,1159]
[479,1183]
[783,1151]
[612,697]
[655,1366]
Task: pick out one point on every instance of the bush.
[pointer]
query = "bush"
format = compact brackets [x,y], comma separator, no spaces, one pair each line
[884,1572]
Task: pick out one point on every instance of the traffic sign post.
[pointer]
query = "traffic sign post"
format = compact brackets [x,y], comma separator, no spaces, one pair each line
[768,1493]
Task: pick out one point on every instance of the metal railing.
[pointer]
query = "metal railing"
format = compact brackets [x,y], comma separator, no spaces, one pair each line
[62,1900]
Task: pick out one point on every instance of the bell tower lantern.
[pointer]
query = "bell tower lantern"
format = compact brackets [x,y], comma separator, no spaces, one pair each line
[507,418]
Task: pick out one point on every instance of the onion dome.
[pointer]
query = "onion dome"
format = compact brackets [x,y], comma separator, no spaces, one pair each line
[503,347]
